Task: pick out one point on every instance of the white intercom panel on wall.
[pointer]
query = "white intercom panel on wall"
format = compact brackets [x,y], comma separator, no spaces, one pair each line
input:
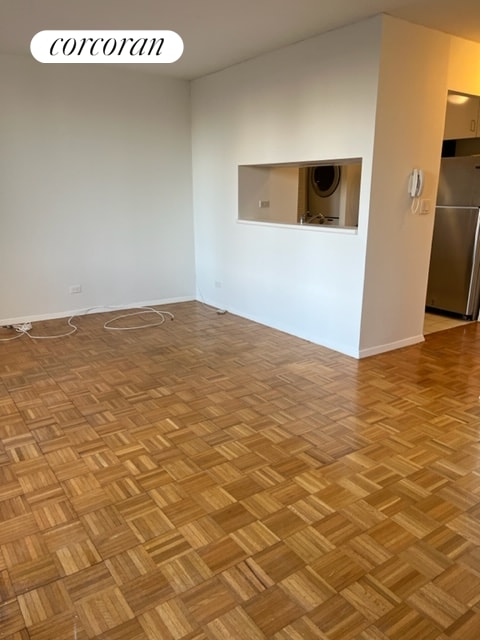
[415,190]
[415,183]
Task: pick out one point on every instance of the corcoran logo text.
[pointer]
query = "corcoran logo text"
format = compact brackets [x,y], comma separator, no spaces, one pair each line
[106,46]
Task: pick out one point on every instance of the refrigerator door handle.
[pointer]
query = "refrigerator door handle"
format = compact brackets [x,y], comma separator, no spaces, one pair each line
[475,279]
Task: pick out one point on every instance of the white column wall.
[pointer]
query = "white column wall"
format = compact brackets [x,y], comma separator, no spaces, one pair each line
[315,100]
[409,131]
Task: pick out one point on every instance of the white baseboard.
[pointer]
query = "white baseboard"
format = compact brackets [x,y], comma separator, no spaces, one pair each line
[391,346]
[94,309]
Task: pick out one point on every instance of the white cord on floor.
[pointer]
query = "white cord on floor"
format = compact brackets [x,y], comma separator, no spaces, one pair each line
[19,335]
[162,315]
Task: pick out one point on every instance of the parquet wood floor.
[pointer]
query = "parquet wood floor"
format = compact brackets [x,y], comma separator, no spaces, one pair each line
[213,478]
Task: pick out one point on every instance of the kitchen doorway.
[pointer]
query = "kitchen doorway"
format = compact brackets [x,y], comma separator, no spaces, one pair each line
[435,322]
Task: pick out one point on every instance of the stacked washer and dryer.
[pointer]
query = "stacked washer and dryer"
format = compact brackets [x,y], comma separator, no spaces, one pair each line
[332,194]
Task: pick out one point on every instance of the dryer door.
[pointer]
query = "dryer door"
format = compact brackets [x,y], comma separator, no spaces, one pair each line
[325,179]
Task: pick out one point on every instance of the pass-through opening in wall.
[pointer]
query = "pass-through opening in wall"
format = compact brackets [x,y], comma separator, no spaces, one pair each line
[323,193]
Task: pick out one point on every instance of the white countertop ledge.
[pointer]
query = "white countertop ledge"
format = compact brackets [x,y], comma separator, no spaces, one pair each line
[304,228]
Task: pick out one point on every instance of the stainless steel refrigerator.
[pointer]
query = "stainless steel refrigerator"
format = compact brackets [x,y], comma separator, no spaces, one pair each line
[454,275]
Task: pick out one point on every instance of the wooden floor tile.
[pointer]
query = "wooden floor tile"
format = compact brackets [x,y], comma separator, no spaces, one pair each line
[222,554]
[65,625]
[338,619]
[208,600]
[11,618]
[86,583]
[40,604]
[214,479]
[103,611]
[168,620]
[272,610]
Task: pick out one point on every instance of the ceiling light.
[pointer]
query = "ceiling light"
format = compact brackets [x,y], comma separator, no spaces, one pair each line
[456,98]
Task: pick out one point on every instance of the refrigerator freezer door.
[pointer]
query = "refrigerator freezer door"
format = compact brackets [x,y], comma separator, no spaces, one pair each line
[453,280]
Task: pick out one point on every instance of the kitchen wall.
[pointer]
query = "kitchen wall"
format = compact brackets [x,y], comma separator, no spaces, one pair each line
[95,175]
[315,100]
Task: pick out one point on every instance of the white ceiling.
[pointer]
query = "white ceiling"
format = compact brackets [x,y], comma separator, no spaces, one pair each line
[219,33]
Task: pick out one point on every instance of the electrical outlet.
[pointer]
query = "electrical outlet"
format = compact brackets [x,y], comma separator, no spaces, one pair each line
[425,205]
[263,204]
[75,288]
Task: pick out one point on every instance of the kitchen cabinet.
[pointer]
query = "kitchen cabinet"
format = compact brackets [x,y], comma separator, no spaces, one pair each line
[462,118]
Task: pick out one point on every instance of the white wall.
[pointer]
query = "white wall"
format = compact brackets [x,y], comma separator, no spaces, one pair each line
[409,131]
[276,185]
[95,188]
[311,101]
[284,194]
[253,186]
